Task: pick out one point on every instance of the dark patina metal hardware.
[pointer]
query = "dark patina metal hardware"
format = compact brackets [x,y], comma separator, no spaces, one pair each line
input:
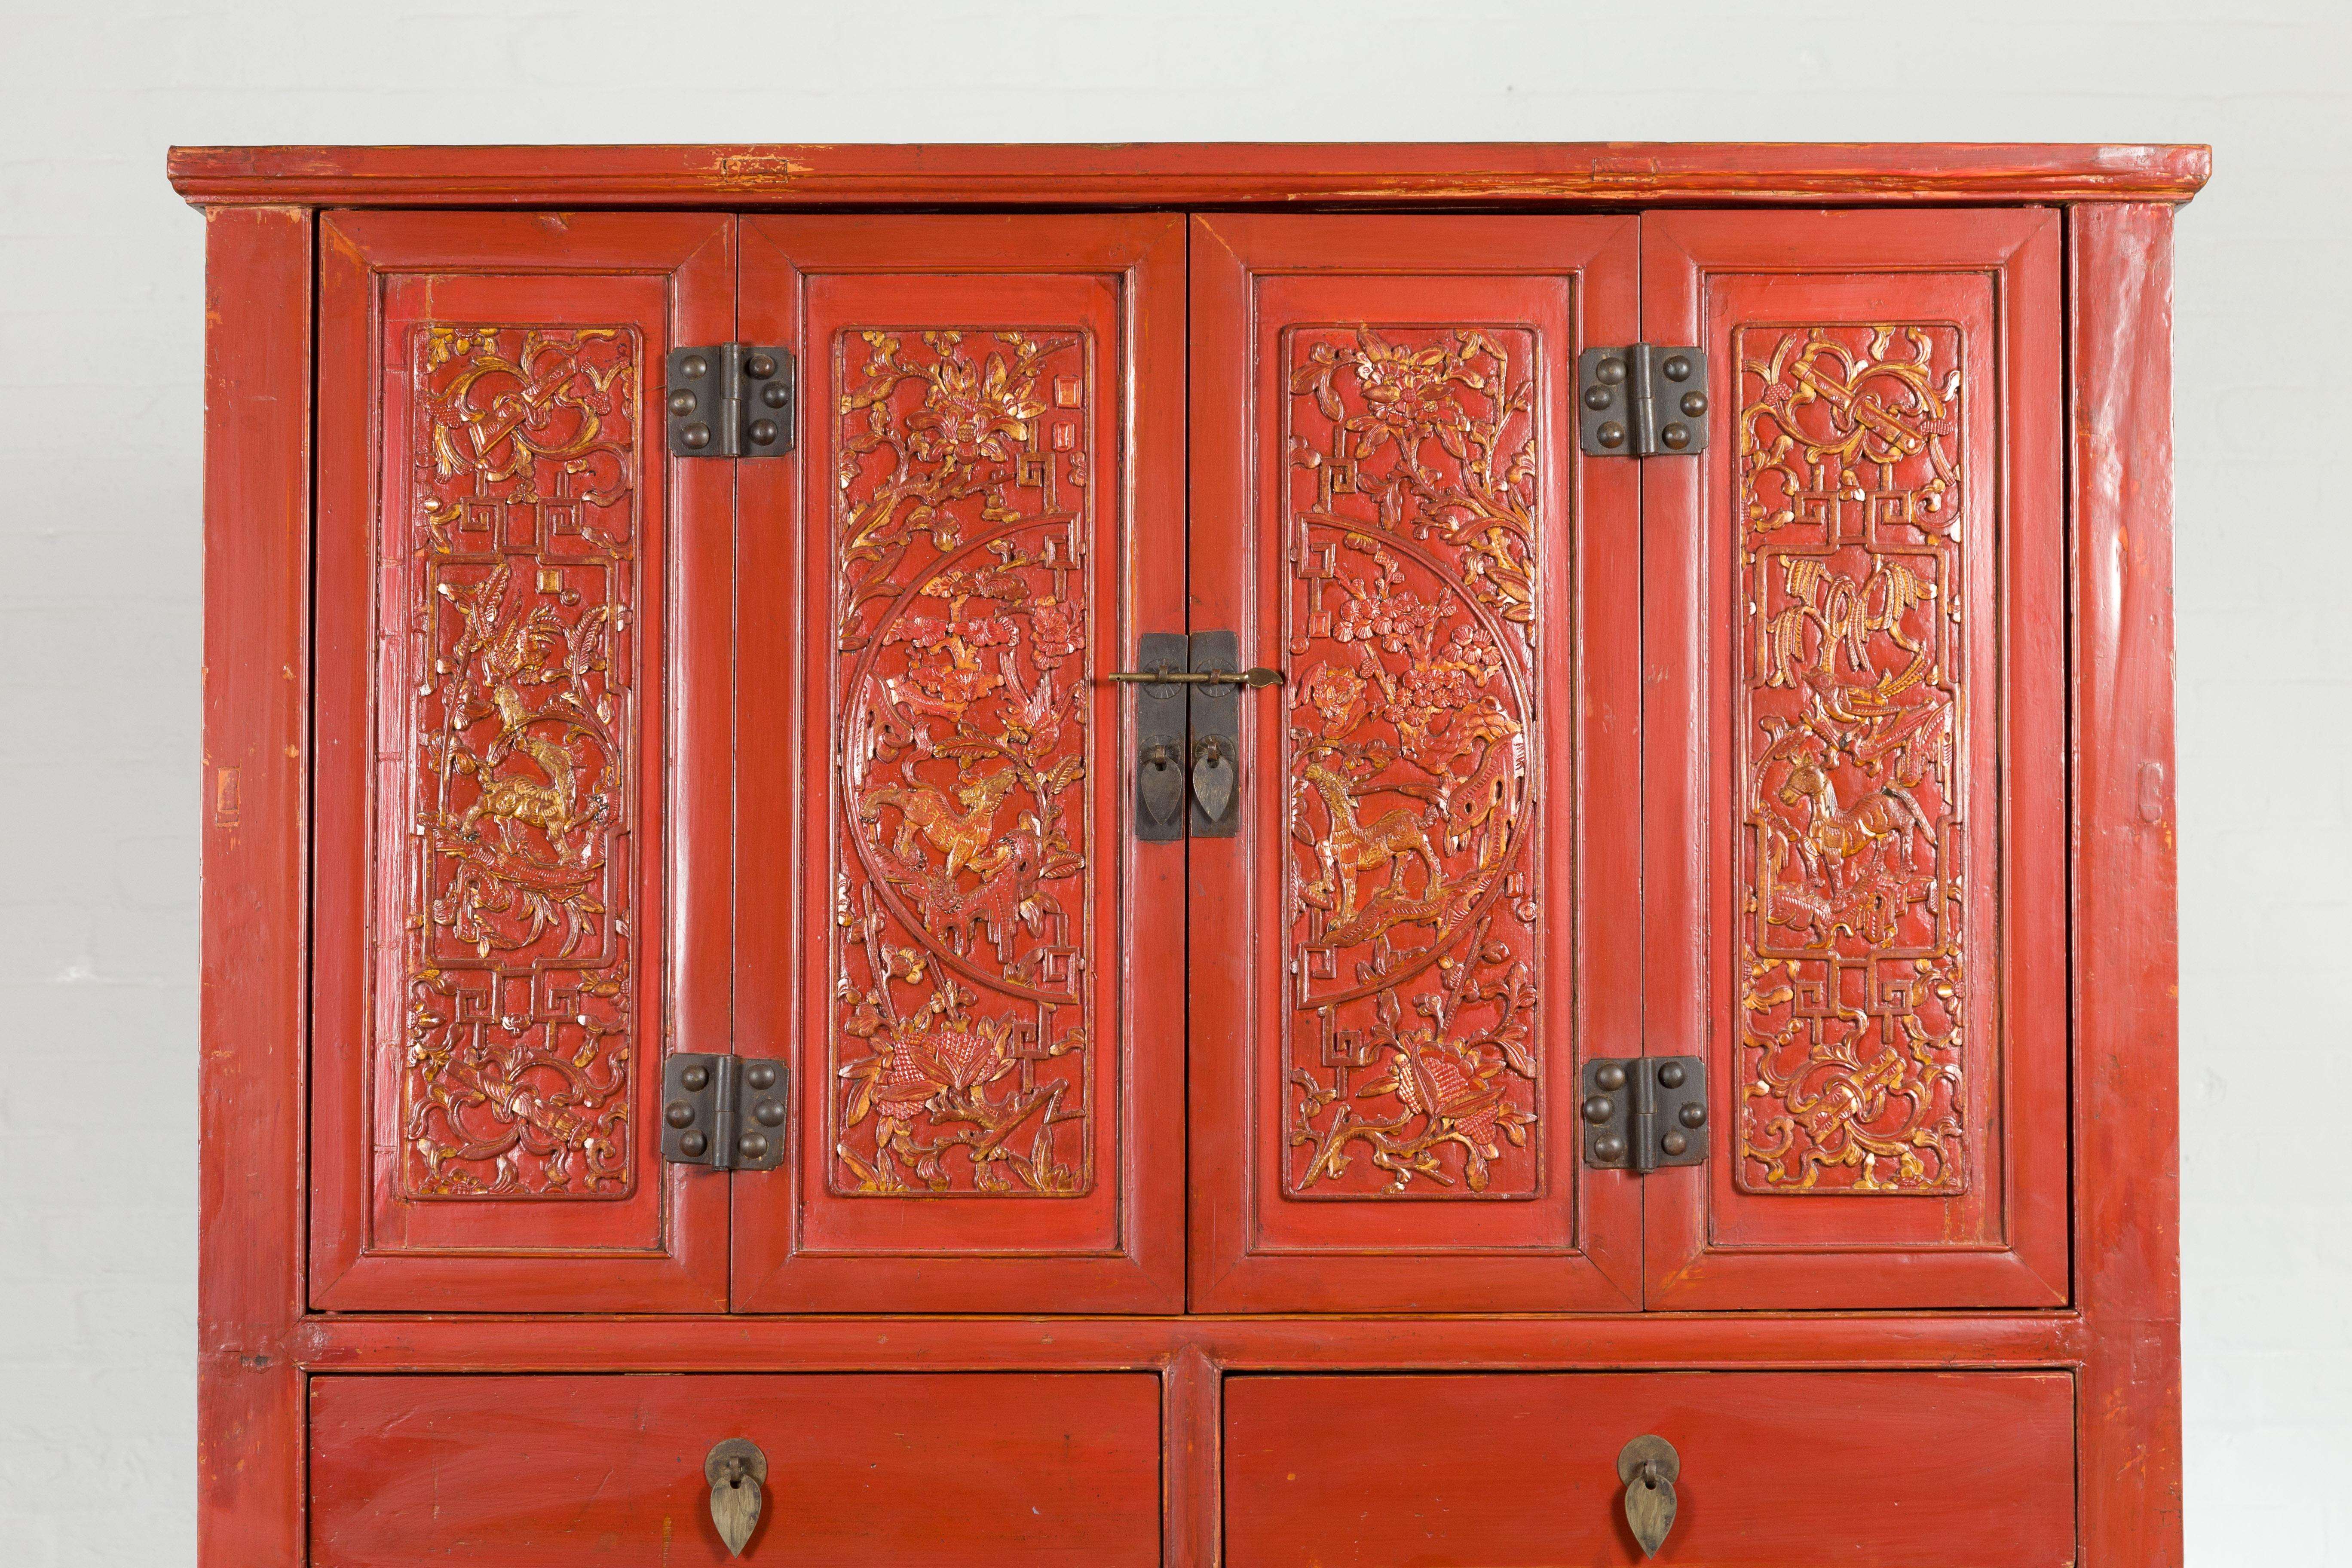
[726,1113]
[736,1470]
[1164,677]
[1188,734]
[1649,1467]
[728,400]
[1644,1112]
[1641,401]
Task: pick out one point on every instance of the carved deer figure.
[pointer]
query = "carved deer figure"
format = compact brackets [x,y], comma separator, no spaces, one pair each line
[964,838]
[1350,848]
[1887,818]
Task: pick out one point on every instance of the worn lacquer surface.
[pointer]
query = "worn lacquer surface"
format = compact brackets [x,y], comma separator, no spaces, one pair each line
[889,1469]
[1521,1471]
[1410,611]
[372,823]
[1853,858]
[964,552]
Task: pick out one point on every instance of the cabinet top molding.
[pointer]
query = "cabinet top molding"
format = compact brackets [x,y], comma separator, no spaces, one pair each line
[1627,173]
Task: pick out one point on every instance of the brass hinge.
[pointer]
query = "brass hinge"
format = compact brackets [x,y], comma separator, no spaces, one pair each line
[1642,1112]
[726,1113]
[730,400]
[1641,401]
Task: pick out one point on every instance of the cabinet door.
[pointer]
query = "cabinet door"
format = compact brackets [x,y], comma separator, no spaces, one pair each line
[522,846]
[1855,731]
[946,921]
[1430,911]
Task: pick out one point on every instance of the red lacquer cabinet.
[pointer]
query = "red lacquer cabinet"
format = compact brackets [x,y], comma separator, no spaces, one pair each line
[764,1000]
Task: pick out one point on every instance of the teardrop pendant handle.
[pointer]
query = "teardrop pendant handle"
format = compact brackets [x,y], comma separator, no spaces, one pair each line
[1213,778]
[736,1470]
[1649,1467]
[1163,782]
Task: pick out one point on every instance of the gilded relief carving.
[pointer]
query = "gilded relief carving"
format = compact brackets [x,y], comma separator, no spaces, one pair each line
[1410,1055]
[961,551]
[517,572]
[1852,713]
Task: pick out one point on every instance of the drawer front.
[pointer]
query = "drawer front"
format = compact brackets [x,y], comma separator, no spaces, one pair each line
[877,1469]
[1851,1470]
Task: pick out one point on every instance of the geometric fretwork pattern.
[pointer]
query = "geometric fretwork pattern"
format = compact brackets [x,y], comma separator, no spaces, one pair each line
[508,707]
[1851,716]
[1412,910]
[961,574]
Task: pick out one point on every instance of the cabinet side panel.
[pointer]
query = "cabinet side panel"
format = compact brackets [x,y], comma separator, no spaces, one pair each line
[2126,1012]
[257,302]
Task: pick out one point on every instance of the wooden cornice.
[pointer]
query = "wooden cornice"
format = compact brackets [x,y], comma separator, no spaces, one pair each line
[1173,175]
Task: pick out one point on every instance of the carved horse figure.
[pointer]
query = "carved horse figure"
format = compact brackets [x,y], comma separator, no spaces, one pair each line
[1887,818]
[964,836]
[1350,848]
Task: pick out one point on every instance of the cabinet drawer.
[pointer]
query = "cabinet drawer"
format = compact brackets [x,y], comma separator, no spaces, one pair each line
[876,1470]
[1854,1469]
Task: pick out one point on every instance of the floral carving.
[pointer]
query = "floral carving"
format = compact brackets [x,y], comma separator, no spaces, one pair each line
[962,574]
[1411,1053]
[1852,570]
[517,570]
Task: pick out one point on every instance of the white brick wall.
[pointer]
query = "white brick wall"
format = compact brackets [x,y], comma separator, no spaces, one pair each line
[100,358]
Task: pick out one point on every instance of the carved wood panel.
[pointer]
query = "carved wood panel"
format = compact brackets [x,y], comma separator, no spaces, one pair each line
[1853,853]
[961,548]
[514,849]
[1412,1045]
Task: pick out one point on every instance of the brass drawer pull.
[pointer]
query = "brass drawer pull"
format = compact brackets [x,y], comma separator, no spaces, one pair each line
[1649,1467]
[736,1470]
